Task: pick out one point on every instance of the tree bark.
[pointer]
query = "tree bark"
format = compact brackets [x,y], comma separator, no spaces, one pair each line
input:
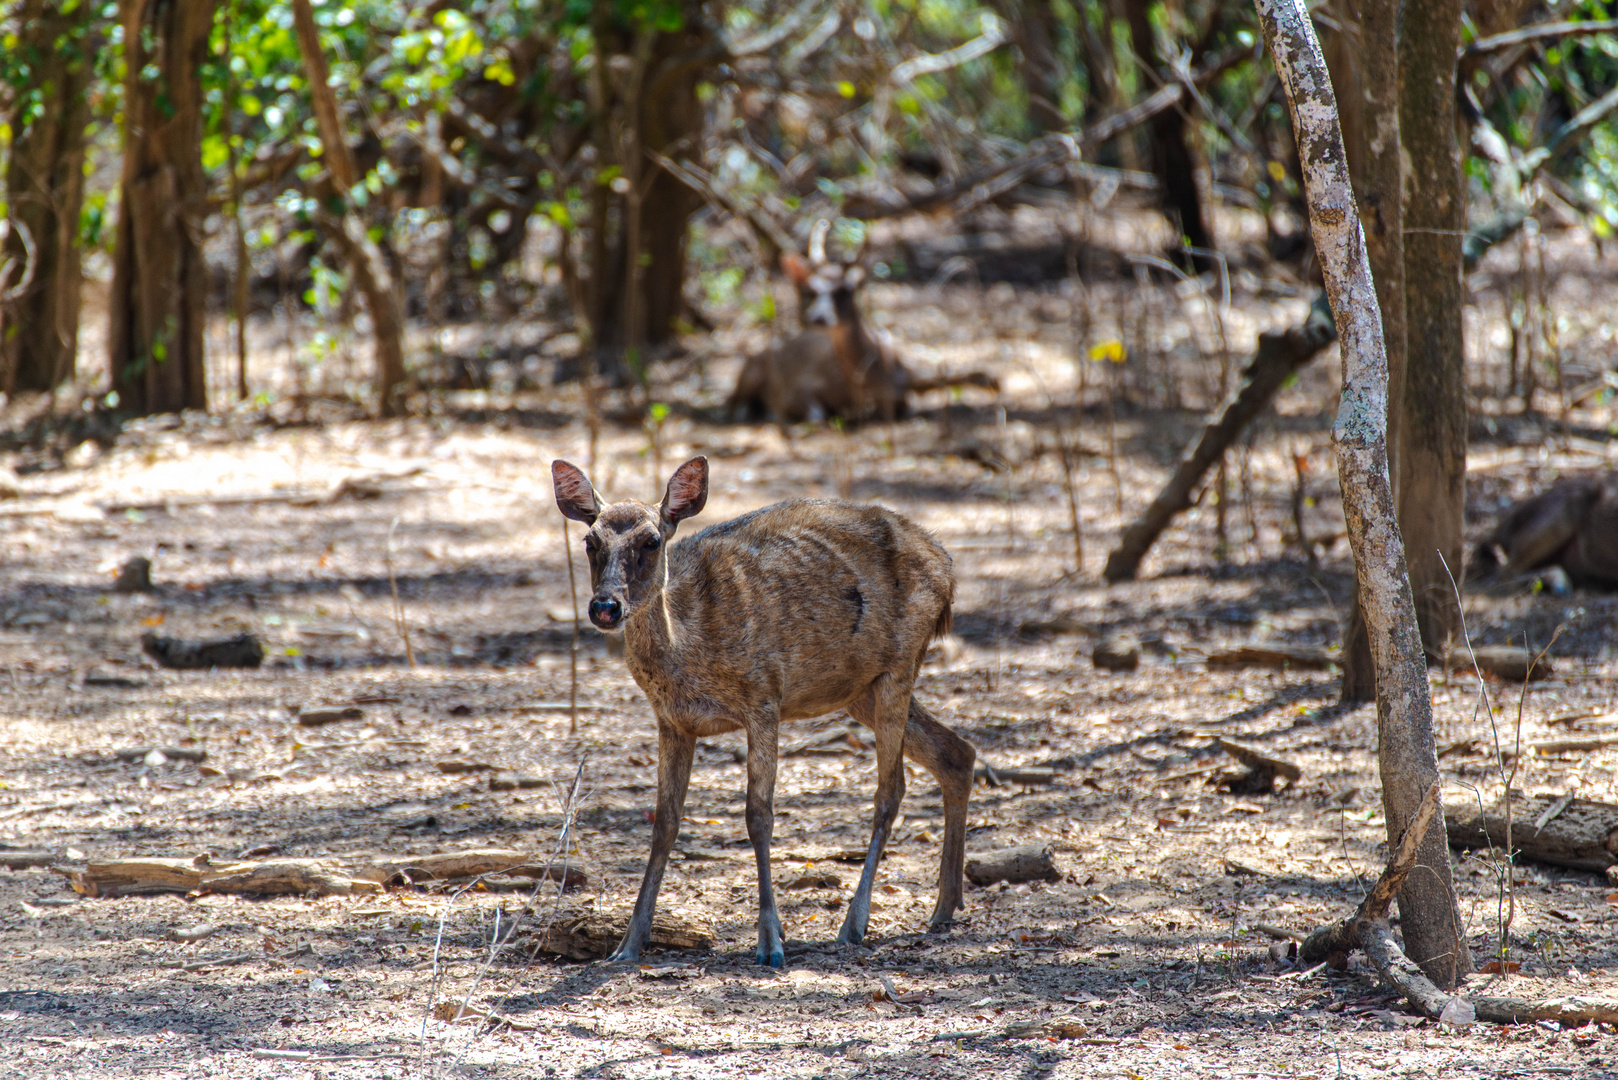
[1409,765]
[1173,159]
[1432,429]
[645,98]
[159,281]
[1379,185]
[1034,30]
[365,259]
[45,192]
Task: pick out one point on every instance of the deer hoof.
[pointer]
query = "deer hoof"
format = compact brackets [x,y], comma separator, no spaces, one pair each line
[624,955]
[775,957]
[940,926]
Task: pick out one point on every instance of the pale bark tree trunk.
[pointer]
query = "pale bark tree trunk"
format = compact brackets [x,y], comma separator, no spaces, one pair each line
[365,260]
[1432,431]
[1379,184]
[1428,915]
[159,282]
[45,190]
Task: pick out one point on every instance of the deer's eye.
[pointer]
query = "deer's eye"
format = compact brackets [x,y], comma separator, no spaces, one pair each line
[591,545]
[653,544]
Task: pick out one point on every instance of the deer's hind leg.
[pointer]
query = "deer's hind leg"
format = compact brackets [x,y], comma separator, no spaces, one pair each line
[884,709]
[949,758]
[762,749]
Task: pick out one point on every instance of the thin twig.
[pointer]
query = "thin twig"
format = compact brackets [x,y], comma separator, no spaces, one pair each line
[398,605]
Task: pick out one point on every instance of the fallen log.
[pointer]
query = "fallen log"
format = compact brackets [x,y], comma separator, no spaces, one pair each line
[1278,356]
[1299,657]
[1509,663]
[464,864]
[243,651]
[590,935]
[1576,833]
[1262,769]
[1031,862]
[1026,776]
[142,877]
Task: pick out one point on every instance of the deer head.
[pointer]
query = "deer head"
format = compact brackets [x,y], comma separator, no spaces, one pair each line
[627,540]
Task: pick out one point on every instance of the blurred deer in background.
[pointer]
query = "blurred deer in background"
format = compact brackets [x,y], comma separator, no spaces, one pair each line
[789,612]
[836,366]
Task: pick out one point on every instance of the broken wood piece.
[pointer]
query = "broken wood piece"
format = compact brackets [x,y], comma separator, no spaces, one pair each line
[135,576]
[814,880]
[137,877]
[27,859]
[590,935]
[1297,657]
[1031,862]
[1262,769]
[170,753]
[241,651]
[1061,1028]
[465,864]
[189,935]
[454,768]
[329,715]
[833,742]
[1025,776]
[1116,652]
[1580,834]
[1509,663]
[515,782]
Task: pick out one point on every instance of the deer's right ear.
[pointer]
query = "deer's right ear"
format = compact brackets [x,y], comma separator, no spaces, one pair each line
[795,268]
[687,492]
[575,496]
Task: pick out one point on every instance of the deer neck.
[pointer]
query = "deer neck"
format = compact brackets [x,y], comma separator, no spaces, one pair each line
[652,629]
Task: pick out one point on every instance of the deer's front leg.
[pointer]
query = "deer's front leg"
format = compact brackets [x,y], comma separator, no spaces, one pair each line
[763,735]
[674,750]
[888,707]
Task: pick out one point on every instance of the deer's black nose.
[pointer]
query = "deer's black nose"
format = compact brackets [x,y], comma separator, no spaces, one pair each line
[606,613]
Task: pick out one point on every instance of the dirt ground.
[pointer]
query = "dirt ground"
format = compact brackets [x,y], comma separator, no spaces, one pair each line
[1148,948]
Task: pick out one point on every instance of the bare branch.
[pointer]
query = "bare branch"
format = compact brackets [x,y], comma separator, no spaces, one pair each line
[1543,32]
[992,37]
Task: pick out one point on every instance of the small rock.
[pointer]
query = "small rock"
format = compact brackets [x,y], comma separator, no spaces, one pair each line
[1116,652]
[135,576]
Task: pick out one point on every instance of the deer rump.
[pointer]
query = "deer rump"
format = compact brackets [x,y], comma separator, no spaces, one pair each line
[1574,525]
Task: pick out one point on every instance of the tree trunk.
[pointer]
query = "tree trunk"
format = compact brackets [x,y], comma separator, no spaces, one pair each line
[646,100]
[1380,190]
[159,282]
[1432,430]
[1034,30]
[365,260]
[1173,158]
[1409,766]
[45,191]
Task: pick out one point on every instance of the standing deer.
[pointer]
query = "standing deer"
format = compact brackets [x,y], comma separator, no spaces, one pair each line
[786,613]
[836,366]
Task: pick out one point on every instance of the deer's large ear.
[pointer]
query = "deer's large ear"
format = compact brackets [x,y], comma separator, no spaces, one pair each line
[575,496]
[795,268]
[687,492]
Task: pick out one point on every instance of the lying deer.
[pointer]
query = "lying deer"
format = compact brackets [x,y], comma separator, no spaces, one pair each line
[836,366]
[789,612]
[1573,524]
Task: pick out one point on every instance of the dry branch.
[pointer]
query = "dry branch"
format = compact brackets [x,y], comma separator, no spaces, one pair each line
[1576,833]
[465,864]
[1263,766]
[1543,32]
[140,877]
[1512,663]
[1275,360]
[1026,777]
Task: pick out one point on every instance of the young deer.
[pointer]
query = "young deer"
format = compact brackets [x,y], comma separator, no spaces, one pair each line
[789,612]
[837,366]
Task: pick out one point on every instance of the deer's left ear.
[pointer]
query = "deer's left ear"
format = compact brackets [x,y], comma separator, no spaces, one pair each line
[687,492]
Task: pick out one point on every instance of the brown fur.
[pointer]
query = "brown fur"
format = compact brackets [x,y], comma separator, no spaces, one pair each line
[836,366]
[789,612]
[1573,524]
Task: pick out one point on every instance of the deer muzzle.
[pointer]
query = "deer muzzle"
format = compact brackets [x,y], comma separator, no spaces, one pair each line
[607,613]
